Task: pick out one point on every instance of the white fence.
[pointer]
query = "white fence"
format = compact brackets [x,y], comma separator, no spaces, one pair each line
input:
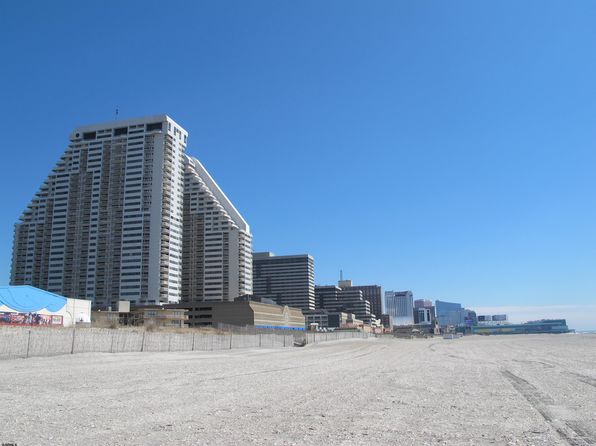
[25,342]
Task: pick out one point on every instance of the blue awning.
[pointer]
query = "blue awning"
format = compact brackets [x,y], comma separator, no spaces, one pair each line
[27,299]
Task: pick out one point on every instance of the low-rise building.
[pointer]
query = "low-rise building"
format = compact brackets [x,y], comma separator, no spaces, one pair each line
[329,319]
[157,316]
[532,327]
[27,305]
[243,312]
[492,319]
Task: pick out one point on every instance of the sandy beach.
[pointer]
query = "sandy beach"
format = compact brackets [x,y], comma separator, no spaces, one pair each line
[508,390]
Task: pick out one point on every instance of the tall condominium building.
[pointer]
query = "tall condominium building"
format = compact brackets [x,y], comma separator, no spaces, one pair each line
[107,223]
[288,280]
[399,305]
[334,298]
[371,293]
[217,251]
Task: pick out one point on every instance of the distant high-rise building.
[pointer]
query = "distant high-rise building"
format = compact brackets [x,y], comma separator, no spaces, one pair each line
[371,293]
[449,313]
[423,315]
[288,280]
[423,303]
[108,222]
[334,298]
[399,305]
[424,311]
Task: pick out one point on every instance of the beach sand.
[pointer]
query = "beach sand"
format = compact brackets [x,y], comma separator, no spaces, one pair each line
[504,390]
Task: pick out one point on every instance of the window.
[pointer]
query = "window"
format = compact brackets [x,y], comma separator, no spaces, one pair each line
[154,126]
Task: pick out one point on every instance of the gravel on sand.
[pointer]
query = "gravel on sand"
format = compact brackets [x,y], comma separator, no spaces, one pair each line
[504,390]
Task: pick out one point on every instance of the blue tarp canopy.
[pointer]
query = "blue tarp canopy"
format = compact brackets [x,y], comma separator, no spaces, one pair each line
[27,299]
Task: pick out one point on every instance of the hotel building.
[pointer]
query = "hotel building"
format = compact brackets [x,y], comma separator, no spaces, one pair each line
[108,222]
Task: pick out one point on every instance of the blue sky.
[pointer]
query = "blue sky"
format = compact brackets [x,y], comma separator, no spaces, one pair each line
[444,147]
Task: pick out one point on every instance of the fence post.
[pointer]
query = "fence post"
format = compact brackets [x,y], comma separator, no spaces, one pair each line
[112,343]
[143,342]
[73,339]
[28,343]
[170,342]
[193,342]
[260,342]
[284,340]
[230,340]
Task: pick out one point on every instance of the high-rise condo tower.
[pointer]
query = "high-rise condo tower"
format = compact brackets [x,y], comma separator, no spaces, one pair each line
[108,222]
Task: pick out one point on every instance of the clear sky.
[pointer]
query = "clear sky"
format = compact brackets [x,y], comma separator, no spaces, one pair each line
[446,147]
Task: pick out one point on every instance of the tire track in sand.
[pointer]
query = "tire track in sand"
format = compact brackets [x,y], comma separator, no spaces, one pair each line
[572,431]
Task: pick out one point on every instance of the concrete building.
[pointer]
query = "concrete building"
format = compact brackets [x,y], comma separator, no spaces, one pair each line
[147,315]
[244,312]
[108,222]
[157,316]
[329,319]
[400,307]
[386,320]
[423,316]
[27,305]
[334,298]
[424,312]
[288,280]
[217,251]
[371,293]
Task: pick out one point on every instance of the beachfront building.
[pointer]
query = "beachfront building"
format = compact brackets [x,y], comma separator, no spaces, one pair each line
[32,307]
[399,305]
[334,298]
[554,326]
[287,280]
[107,224]
[217,249]
[449,313]
[371,293]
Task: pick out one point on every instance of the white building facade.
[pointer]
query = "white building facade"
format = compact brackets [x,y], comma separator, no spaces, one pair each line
[399,305]
[107,224]
[217,253]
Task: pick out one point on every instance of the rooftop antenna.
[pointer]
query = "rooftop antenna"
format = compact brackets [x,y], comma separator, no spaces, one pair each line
[116,113]
[341,274]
